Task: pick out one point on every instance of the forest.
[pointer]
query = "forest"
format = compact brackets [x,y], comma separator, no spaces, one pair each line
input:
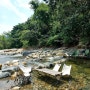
[55,23]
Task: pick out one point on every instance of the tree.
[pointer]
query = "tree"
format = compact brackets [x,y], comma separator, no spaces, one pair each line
[5,41]
[15,34]
[34,4]
[29,38]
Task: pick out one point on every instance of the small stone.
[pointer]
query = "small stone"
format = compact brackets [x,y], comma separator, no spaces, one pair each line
[16,88]
[24,63]
[0,66]
[7,81]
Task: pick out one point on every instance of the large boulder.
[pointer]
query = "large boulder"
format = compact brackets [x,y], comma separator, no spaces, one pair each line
[4,74]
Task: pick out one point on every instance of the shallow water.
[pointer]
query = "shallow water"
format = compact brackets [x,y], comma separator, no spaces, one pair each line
[80,80]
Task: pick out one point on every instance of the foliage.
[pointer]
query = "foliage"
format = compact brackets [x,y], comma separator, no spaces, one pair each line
[5,41]
[34,4]
[29,38]
[42,42]
[54,41]
[54,23]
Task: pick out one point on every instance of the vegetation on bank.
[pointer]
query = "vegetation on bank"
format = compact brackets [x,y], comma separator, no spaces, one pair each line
[54,23]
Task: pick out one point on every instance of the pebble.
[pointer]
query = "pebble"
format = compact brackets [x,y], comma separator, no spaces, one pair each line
[16,88]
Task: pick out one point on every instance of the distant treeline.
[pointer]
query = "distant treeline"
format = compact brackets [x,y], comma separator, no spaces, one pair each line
[54,23]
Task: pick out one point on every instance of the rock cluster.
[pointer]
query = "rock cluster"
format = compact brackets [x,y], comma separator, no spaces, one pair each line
[45,57]
[10,51]
[9,68]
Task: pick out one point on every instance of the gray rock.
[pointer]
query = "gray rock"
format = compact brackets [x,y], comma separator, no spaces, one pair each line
[10,69]
[55,58]
[25,53]
[4,74]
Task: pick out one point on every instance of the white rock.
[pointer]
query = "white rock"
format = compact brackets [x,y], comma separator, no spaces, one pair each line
[16,88]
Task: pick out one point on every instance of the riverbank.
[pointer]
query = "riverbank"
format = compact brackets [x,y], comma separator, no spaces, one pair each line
[80,72]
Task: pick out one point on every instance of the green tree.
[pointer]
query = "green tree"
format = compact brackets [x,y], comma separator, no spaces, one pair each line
[29,38]
[15,34]
[5,41]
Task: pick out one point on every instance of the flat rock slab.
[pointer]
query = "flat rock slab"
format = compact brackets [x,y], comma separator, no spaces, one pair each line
[49,71]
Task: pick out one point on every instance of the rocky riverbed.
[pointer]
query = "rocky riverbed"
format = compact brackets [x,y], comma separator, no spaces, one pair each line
[45,58]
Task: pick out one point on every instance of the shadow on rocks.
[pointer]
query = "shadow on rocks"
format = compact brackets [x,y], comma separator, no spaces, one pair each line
[51,80]
[22,80]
